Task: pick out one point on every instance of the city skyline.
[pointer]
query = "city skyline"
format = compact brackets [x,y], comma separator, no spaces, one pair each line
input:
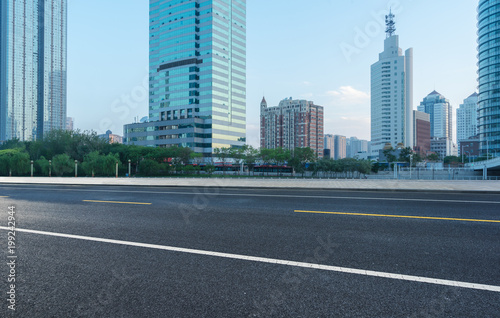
[111,78]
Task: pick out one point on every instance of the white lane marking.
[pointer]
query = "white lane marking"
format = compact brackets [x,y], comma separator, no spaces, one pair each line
[270,195]
[410,278]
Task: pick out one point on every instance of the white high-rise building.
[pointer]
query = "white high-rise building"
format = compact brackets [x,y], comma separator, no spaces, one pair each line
[392,94]
[467,118]
[356,146]
[441,113]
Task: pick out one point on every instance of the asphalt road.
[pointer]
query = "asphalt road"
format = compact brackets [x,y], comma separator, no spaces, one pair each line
[85,251]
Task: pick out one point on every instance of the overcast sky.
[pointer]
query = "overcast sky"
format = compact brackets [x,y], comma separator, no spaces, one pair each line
[319,50]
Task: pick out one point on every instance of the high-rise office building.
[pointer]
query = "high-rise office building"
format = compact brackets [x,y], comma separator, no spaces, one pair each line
[292,124]
[441,115]
[32,67]
[467,118]
[489,75]
[392,94]
[197,69]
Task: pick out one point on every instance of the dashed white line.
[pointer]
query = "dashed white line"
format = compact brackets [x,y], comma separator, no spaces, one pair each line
[338,269]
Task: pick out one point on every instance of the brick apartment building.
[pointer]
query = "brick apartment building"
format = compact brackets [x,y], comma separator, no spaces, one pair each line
[292,124]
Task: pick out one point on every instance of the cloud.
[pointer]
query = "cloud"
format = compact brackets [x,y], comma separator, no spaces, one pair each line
[347,112]
[348,95]
[307,95]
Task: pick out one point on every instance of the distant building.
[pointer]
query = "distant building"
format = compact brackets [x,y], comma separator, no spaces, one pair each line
[470,147]
[443,147]
[112,138]
[340,147]
[329,147]
[355,147]
[33,51]
[421,132]
[467,118]
[70,121]
[440,111]
[292,124]
[392,94]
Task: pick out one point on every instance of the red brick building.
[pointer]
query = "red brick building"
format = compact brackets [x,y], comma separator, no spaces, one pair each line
[421,132]
[292,124]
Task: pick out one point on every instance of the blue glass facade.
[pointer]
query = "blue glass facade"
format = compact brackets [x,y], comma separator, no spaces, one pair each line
[197,66]
[489,75]
[32,68]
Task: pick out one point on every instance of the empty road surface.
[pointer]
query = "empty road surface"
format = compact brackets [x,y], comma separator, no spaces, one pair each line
[104,251]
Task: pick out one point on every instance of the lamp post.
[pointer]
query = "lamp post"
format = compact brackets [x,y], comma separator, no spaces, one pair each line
[32,168]
[411,159]
[129,167]
[462,152]
[117,169]
[76,168]
[50,168]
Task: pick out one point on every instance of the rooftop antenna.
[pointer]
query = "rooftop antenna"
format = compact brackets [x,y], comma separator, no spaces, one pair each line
[390,24]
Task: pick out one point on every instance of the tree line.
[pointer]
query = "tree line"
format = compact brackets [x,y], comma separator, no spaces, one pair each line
[57,152]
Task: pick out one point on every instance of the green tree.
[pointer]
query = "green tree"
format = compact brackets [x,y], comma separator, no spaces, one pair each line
[149,167]
[433,157]
[92,163]
[300,157]
[14,161]
[250,155]
[108,164]
[62,164]
[389,155]
[452,160]
[42,166]
[223,154]
[405,154]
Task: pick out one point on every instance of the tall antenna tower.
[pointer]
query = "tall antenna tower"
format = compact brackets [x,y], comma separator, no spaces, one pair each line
[390,24]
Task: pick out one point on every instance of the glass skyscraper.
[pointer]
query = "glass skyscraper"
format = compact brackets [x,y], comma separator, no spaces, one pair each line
[489,75]
[32,67]
[197,69]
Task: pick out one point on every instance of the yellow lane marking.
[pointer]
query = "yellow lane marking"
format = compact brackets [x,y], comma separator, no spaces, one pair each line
[399,216]
[3,196]
[119,202]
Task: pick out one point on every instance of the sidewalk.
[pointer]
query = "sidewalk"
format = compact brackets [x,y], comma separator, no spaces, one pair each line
[333,184]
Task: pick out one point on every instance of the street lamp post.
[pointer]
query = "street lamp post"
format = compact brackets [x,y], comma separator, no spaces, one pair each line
[32,168]
[50,168]
[117,169]
[129,167]
[411,159]
[76,168]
